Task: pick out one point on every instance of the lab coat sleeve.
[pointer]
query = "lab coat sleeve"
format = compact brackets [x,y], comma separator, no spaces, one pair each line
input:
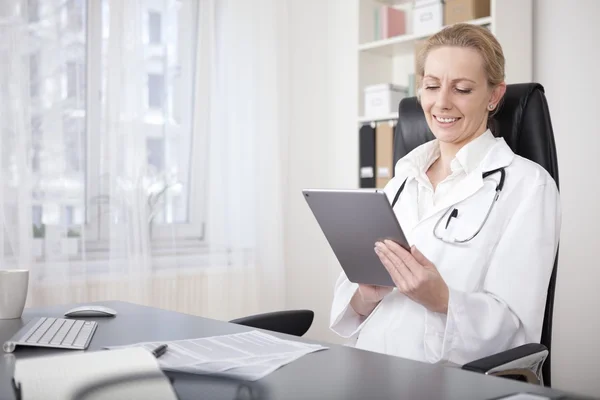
[343,319]
[509,310]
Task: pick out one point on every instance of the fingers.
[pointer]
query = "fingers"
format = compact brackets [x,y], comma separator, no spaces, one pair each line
[403,255]
[399,259]
[401,275]
[414,275]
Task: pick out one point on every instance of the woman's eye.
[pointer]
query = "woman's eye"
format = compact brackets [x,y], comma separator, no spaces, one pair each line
[463,91]
[431,87]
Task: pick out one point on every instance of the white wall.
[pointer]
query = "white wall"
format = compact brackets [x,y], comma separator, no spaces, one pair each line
[323,144]
[566,59]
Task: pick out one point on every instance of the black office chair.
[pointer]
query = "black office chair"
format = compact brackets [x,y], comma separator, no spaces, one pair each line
[524,121]
[292,322]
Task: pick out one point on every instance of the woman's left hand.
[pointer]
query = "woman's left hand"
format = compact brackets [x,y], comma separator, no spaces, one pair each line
[414,275]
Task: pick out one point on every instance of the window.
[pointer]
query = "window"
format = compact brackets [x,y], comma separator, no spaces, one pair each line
[36,215]
[34,78]
[36,142]
[74,142]
[35,158]
[155,90]
[57,85]
[68,153]
[33,9]
[155,151]
[71,217]
[154,27]
[167,123]
[75,79]
[75,15]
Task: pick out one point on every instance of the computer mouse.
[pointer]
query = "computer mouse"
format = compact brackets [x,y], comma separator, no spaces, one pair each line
[91,311]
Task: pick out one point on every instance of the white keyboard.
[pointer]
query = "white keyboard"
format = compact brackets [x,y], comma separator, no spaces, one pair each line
[59,333]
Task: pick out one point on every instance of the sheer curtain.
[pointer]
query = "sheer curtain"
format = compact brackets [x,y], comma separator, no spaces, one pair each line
[143,145]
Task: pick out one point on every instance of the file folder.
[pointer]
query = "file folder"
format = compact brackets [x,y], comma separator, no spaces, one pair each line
[367,156]
[384,153]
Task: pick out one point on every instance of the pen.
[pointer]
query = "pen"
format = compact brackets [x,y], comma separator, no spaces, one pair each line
[160,350]
[453,214]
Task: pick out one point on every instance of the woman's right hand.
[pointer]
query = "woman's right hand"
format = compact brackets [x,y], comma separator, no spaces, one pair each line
[367,297]
[373,293]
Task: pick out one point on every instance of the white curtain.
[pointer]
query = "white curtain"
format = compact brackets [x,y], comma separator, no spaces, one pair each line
[143,147]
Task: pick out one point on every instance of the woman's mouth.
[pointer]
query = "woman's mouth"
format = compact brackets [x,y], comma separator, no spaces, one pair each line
[445,121]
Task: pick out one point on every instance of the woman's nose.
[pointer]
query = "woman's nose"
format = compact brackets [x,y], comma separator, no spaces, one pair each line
[443,99]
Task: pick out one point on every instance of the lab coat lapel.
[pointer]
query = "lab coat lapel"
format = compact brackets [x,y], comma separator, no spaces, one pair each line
[407,209]
[466,188]
[499,156]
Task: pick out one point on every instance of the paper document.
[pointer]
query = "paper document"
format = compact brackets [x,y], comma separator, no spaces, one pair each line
[131,374]
[248,355]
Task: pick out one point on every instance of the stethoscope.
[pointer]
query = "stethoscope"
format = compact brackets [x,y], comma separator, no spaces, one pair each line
[454,211]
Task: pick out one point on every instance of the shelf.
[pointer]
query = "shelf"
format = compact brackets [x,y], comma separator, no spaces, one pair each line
[389,117]
[401,4]
[405,43]
[396,2]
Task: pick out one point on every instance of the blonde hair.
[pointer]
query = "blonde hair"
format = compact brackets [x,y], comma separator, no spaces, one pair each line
[467,36]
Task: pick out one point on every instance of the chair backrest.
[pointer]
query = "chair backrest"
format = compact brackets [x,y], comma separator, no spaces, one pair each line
[523,119]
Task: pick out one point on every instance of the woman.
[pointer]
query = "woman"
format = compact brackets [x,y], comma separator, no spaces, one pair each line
[457,297]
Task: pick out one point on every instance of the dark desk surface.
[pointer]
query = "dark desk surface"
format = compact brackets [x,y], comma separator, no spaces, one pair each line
[337,373]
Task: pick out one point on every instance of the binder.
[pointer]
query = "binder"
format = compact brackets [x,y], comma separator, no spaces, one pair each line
[367,156]
[392,22]
[384,153]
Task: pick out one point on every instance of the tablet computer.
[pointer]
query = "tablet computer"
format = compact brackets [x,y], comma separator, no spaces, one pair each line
[352,221]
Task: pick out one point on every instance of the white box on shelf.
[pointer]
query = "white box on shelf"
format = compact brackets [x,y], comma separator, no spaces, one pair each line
[383,99]
[428,16]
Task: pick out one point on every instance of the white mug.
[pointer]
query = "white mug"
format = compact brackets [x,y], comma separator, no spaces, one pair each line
[13,292]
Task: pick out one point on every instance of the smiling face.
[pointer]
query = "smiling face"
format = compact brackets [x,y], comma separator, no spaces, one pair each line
[455,94]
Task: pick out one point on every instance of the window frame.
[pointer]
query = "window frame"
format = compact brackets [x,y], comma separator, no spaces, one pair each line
[96,232]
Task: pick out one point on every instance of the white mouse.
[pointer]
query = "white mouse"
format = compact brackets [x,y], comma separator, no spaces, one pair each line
[91,311]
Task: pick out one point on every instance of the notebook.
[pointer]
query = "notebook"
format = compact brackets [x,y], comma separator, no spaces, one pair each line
[131,373]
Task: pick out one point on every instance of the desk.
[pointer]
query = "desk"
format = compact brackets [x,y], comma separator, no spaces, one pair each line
[337,373]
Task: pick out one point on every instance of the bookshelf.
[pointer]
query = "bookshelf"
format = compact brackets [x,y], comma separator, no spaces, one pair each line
[395,2]
[392,60]
[405,43]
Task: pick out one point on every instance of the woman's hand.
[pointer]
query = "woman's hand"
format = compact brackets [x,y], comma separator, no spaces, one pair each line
[373,293]
[414,275]
[367,297]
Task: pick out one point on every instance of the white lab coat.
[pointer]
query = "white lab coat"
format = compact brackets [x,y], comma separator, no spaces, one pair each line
[498,281]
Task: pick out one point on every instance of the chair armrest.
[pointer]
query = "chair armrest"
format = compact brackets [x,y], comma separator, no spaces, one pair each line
[522,363]
[292,322]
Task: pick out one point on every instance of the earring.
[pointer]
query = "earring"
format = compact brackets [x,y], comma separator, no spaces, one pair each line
[490,107]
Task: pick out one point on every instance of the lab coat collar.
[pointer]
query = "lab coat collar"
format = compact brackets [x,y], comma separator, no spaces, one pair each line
[418,160]
[499,155]
[468,158]
[470,155]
